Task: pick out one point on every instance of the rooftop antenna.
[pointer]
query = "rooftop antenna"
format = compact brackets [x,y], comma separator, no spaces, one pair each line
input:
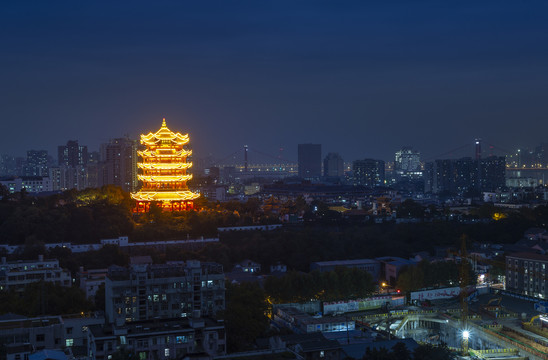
[246,148]
[478,149]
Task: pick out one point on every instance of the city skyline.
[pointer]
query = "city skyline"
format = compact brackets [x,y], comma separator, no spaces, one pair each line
[280,155]
[362,80]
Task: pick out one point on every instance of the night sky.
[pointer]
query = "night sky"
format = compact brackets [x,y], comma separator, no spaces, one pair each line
[363,78]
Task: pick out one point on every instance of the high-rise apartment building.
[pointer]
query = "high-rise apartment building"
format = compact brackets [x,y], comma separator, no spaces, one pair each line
[72,154]
[368,172]
[407,173]
[333,166]
[67,177]
[492,173]
[8,165]
[460,176]
[37,163]
[94,157]
[407,160]
[464,175]
[119,159]
[526,274]
[310,161]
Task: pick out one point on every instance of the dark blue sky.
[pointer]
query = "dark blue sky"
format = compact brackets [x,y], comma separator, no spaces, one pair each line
[362,78]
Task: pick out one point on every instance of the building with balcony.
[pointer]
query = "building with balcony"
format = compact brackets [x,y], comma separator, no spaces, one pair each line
[173,290]
[153,339]
[22,336]
[526,274]
[17,274]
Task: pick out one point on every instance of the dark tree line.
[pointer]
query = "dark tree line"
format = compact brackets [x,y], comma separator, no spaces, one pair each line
[400,352]
[299,246]
[77,217]
[342,283]
[431,274]
[245,315]
[44,298]
[87,216]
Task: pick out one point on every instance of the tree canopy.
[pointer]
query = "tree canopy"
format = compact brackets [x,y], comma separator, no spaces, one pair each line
[342,283]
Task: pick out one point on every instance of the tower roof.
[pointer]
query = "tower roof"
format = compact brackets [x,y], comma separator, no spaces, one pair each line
[164,134]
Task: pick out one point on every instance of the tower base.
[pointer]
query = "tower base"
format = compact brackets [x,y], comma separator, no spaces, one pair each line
[144,206]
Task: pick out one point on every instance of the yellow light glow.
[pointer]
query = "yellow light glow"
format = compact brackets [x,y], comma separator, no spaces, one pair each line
[498,216]
[164,166]
[164,169]
[164,178]
[151,153]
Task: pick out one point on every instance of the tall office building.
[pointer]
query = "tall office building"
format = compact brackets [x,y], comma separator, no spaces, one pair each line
[72,154]
[368,172]
[120,163]
[333,166]
[310,161]
[37,163]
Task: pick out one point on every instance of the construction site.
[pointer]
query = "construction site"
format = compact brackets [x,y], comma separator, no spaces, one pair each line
[493,327]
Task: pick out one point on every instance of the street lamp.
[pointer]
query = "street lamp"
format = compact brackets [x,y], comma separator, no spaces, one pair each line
[465,337]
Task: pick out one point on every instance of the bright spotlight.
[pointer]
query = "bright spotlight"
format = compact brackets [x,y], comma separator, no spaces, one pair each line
[465,334]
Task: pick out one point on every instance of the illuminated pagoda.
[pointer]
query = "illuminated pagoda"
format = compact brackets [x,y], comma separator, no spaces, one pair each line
[164,171]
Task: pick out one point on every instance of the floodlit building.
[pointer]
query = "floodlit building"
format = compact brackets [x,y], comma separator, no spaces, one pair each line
[164,171]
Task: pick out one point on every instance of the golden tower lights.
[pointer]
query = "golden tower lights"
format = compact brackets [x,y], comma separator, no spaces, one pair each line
[164,171]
